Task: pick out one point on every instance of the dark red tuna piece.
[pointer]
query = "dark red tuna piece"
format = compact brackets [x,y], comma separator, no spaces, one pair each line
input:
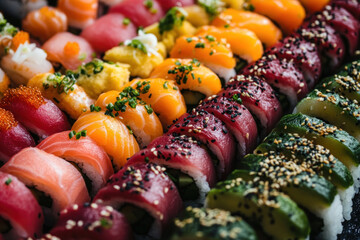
[139,188]
[167,4]
[13,136]
[305,55]
[353,6]
[211,131]
[92,221]
[237,119]
[258,97]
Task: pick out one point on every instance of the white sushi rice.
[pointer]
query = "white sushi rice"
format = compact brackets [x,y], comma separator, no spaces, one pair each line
[223,72]
[332,217]
[355,172]
[200,181]
[346,197]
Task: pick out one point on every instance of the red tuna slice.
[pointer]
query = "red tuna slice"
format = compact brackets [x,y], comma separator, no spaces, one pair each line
[211,131]
[108,31]
[258,97]
[92,221]
[183,154]
[69,50]
[13,136]
[353,6]
[283,75]
[139,12]
[37,114]
[19,207]
[237,119]
[329,42]
[305,55]
[343,22]
[147,187]
[167,4]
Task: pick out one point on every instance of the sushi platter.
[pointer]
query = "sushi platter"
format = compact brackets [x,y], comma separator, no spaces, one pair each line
[179,119]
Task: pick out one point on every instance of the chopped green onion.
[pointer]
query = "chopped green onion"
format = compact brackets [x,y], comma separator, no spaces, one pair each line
[8,181]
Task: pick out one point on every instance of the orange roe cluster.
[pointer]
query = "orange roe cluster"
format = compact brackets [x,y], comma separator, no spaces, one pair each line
[7,120]
[71,49]
[29,95]
[20,38]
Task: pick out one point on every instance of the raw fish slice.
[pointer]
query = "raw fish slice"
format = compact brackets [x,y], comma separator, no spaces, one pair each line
[140,12]
[92,221]
[258,97]
[80,13]
[146,126]
[68,49]
[13,136]
[145,187]
[20,208]
[45,23]
[49,174]
[109,133]
[353,6]
[303,53]
[37,114]
[211,131]
[167,4]
[281,74]
[108,31]
[85,153]
[236,118]
[162,95]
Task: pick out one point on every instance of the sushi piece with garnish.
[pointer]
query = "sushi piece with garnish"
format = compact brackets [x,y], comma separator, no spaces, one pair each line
[264,29]
[244,44]
[55,183]
[13,136]
[134,113]
[283,75]
[68,50]
[80,13]
[188,165]
[262,205]
[144,14]
[4,82]
[20,214]
[305,55]
[84,153]
[214,54]
[109,133]
[211,132]
[45,23]
[109,31]
[258,97]
[200,223]
[38,114]
[237,119]
[145,195]
[92,221]
[24,60]
[314,6]
[162,96]
[63,91]
[194,80]
[288,14]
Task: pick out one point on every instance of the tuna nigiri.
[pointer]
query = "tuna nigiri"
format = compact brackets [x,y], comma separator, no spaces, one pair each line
[80,13]
[145,124]
[90,158]
[109,133]
[68,49]
[45,23]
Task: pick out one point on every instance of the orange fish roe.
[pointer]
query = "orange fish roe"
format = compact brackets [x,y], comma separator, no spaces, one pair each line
[29,95]
[20,38]
[71,49]
[7,120]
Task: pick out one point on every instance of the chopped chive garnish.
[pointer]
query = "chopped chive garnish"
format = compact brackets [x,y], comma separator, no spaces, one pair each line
[82,56]
[94,108]
[8,181]
[165,85]
[200,45]
[148,108]
[210,38]
[189,39]
[126,21]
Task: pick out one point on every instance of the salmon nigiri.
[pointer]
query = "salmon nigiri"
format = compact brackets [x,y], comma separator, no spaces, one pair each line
[264,29]
[49,177]
[145,124]
[192,78]
[162,95]
[45,23]
[109,133]
[80,13]
[288,14]
[214,54]
[68,49]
